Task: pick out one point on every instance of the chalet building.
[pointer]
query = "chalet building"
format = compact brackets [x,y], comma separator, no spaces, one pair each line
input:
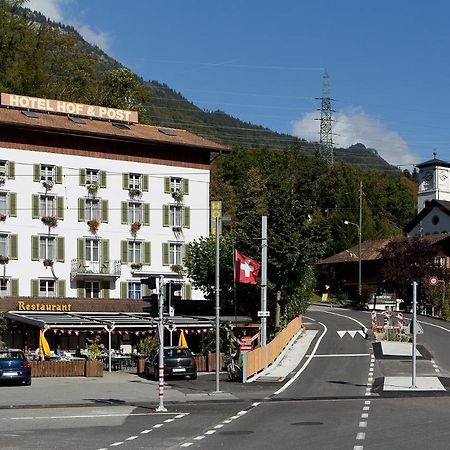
[91,202]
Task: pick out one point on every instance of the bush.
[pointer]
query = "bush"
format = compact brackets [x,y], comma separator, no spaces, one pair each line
[147,346]
[93,348]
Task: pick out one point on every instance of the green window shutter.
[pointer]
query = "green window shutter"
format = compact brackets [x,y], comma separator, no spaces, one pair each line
[13,246]
[186,248]
[60,207]
[12,198]
[105,250]
[147,253]
[34,248]
[146,214]
[124,252]
[102,178]
[36,172]
[60,250]
[81,293]
[81,209]
[185,186]
[165,254]
[165,215]
[82,177]
[105,289]
[187,291]
[145,183]
[58,175]
[35,206]
[124,212]
[125,181]
[186,217]
[123,290]
[145,290]
[61,288]
[167,185]
[105,211]
[80,249]
[35,288]
[14,287]
[11,170]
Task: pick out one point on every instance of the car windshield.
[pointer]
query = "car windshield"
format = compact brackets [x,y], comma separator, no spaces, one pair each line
[12,354]
[177,353]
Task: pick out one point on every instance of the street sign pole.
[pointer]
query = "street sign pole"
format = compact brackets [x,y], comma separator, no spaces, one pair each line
[263,280]
[414,321]
[161,407]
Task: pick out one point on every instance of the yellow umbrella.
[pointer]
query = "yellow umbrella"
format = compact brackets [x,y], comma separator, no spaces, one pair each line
[182,340]
[44,348]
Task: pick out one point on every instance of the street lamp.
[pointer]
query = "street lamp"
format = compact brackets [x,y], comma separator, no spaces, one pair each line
[346,222]
[219,221]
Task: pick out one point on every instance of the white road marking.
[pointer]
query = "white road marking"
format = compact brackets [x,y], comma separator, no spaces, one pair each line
[226,421]
[145,431]
[367,402]
[199,438]
[219,426]
[85,416]
[169,420]
[116,444]
[210,432]
[339,355]
[358,447]
[366,408]
[186,444]
[364,416]
[131,438]
[158,425]
[360,436]
[362,424]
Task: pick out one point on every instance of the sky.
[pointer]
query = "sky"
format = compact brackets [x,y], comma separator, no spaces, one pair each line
[263,62]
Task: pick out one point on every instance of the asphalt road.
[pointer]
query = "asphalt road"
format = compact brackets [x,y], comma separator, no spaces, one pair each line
[334,399]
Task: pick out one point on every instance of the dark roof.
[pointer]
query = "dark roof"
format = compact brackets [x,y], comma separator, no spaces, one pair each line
[58,123]
[371,250]
[433,162]
[443,205]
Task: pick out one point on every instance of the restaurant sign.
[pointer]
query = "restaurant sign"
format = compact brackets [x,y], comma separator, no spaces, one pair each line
[25,306]
[60,107]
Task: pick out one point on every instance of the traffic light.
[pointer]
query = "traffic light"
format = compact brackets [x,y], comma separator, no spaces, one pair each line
[153,308]
[150,282]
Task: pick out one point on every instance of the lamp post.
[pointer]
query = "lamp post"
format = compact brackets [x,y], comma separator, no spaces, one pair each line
[219,221]
[346,222]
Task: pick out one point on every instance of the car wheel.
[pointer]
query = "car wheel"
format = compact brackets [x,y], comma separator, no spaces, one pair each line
[194,377]
[27,383]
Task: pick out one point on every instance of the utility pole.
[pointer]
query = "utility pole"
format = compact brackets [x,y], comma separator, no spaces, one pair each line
[359,246]
[414,339]
[326,134]
[217,302]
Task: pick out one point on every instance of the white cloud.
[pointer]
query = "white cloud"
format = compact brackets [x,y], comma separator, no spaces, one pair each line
[354,125]
[55,10]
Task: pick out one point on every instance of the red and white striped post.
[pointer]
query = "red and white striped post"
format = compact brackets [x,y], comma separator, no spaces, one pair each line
[400,321]
[161,407]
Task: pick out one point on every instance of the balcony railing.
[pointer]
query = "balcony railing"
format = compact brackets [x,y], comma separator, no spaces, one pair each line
[85,269]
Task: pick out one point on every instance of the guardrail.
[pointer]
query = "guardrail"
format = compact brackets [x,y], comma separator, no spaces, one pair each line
[260,358]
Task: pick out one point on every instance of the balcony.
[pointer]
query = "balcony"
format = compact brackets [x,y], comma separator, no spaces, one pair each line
[82,270]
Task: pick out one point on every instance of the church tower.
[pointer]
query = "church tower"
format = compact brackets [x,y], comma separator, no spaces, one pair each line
[434,181]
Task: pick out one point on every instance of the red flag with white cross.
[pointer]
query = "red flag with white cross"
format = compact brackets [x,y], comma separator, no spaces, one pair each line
[246,269]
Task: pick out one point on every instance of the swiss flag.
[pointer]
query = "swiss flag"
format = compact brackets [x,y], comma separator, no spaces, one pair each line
[246,270]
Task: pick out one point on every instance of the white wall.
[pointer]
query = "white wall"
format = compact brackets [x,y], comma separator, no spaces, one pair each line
[436,221]
[24,226]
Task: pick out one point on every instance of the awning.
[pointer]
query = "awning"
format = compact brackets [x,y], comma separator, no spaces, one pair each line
[101,320]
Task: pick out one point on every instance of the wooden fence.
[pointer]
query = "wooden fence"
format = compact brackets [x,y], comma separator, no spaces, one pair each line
[207,363]
[258,359]
[76,368]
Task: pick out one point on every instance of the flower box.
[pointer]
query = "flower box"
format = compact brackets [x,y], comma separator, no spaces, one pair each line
[177,268]
[48,262]
[177,195]
[136,266]
[135,227]
[2,217]
[134,192]
[93,187]
[2,179]
[4,259]
[48,184]
[50,221]
[93,224]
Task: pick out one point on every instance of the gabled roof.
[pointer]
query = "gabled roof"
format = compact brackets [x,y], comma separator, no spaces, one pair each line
[433,162]
[371,250]
[443,205]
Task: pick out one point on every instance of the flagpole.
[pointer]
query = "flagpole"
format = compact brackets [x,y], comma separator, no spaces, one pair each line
[263,280]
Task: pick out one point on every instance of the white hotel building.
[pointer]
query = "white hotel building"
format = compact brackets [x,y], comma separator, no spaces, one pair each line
[89,206]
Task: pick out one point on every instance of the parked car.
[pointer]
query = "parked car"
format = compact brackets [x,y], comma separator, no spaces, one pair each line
[14,366]
[178,362]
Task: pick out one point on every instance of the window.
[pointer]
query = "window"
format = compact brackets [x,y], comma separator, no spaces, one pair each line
[3,203]
[175,184]
[47,173]
[92,209]
[92,250]
[134,181]
[3,167]
[134,252]
[3,245]
[4,285]
[92,176]
[47,288]
[92,289]
[47,246]
[176,216]
[47,205]
[134,290]
[175,254]
[134,212]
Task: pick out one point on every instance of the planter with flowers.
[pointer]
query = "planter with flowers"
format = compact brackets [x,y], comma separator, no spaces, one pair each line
[177,195]
[134,192]
[93,187]
[136,266]
[4,259]
[48,184]
[135,227]
[2,217]
[2,180]
[94,225]
[177,268]
[50,221]
[48,262]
